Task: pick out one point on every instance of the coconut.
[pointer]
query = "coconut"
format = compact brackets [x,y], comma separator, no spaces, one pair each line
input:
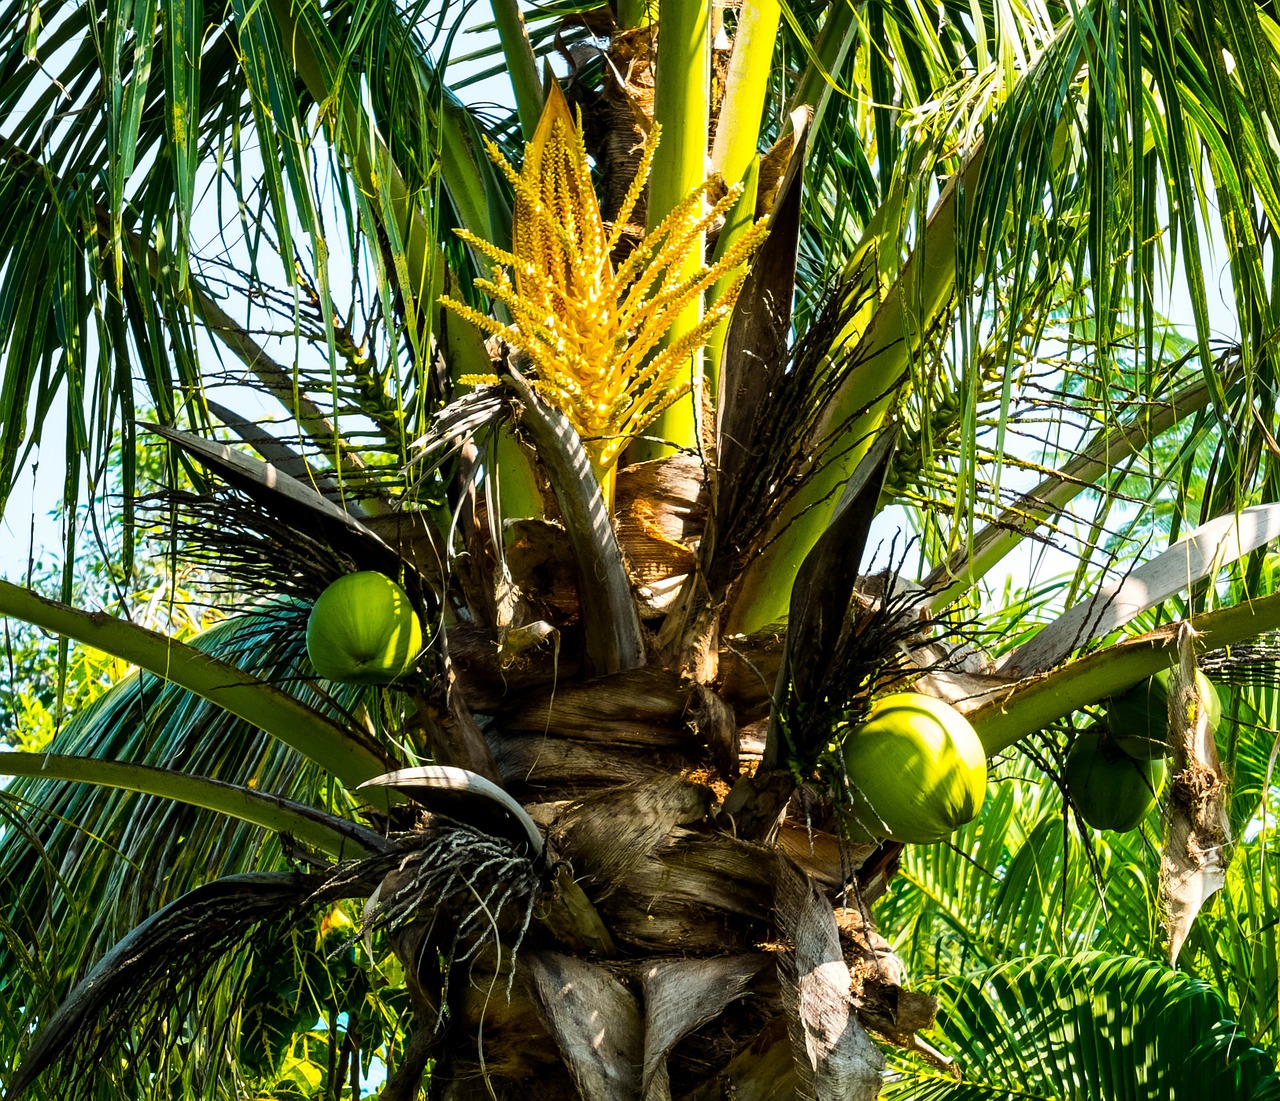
[1139,719]
[916,768]
[1111,789]
[363,630]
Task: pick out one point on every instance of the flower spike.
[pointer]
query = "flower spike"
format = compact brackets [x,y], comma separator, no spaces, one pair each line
[590,332]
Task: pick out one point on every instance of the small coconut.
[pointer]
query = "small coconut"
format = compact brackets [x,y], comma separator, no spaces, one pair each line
[363,630]
[1139,719]
[1111,789]
[917,770]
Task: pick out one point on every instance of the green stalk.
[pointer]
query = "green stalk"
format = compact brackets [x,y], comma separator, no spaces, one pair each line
[740,218]
[883,356]
[633,13]
[746,85]
[471,178]
[375,171]
[682,100]
[517,484]
[464,182]
[518,491]
[1029,705]
[1109,447]
[322,831]
[470,187]
[735,150]
[816,83]
[522,66]
[256,701]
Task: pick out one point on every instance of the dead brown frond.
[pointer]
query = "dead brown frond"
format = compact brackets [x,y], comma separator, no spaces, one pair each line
[1254,664]
[885,643]
[470,890]
[245,550]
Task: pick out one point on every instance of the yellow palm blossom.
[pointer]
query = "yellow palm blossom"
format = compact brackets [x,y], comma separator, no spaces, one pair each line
[592,335]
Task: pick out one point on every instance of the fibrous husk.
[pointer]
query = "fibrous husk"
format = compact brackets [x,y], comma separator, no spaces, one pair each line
[762,1071]
[607,837]
[680,995]
[540,557]
[562,767]
[665,880]
[877,973]
[700,893]
[714,723]
[660,512]
[641,707]
[833,1055]
[748,672]
[628,93]
[1198,842]
[489,681]
[578,737]
[867,953]
[594,1021]
[829,859]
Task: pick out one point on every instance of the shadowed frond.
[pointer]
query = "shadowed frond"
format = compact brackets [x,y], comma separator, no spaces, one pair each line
[157,969]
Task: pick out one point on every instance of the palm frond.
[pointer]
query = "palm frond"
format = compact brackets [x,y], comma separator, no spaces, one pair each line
[95,850]
[349,755]
[1089,1025]
[157,969]
[325,832]
[195,106]
[1027,706]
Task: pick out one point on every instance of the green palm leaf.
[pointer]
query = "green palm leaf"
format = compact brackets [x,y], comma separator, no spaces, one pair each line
[1089,1026]
[120,855]
[163,960]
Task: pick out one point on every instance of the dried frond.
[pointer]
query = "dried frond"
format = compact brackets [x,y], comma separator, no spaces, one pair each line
[245,550]
[779,431]
[884,645]
[482,889]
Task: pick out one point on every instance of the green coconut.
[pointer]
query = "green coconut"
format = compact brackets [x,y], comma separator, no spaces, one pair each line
[363,630]
[1139,719]
[1111,789]
[917,770]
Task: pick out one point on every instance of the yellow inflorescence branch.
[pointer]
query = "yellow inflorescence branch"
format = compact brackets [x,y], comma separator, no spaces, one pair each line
[590,333]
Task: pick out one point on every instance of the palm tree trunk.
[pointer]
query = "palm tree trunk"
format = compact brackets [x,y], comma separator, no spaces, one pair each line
[725,967]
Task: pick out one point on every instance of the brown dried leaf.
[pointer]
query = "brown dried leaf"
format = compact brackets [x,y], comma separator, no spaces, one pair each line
[595,1022]
[833,1055]
[1198,843]
[607,837]
[682,995]
[660,511]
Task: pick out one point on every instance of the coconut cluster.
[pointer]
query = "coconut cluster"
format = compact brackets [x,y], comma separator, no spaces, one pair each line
[1114,773]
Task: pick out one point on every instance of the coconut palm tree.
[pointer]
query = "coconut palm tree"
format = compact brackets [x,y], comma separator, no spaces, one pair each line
[627,388]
